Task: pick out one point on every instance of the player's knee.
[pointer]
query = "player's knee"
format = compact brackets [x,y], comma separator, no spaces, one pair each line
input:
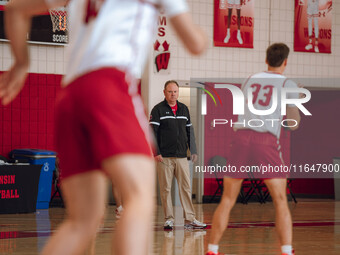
[141,195]
[85,227]
[144,191]
[143,205]
[280,200]
[227,201]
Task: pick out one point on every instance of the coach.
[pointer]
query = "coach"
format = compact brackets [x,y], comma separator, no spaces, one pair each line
[174,134]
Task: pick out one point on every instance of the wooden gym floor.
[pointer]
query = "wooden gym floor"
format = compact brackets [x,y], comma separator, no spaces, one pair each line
[251,230]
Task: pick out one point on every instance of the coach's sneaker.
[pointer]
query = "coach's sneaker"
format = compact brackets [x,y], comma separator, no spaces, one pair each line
[226,39]
[309,46]
[239,37]
[316,49]
[195,224]
[169,234]
[169,225]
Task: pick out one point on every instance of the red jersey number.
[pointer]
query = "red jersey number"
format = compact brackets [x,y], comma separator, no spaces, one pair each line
[268,89]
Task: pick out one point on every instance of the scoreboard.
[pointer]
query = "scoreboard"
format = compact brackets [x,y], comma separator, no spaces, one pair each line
[41,31]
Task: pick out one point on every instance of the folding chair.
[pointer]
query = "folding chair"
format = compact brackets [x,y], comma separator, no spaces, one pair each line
[263,191]
[289,182]
[253,186]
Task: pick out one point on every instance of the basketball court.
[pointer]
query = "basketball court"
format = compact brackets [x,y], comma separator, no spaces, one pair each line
[29,123]
[251,230]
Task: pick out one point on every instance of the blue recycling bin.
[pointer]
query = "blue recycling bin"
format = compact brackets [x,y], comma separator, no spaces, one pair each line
[47,160]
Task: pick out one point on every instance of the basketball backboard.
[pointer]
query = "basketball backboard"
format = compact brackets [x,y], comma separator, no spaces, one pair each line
[47,28]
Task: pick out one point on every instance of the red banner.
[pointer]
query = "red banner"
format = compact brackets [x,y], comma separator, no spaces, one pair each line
[161,48]
[234,23]
[313,26]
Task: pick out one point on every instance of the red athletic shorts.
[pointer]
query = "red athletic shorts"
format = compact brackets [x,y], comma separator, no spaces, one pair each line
[97,118]
[256,155]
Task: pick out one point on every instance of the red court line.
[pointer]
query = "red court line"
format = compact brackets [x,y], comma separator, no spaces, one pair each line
[22,234]
[32,234]
[264,224]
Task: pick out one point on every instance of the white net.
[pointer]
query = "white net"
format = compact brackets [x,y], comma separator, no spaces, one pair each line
[59,19]
[223,4]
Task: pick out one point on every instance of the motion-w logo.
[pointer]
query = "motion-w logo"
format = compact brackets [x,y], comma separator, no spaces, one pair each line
[162,58]
[206,88]
[280,100]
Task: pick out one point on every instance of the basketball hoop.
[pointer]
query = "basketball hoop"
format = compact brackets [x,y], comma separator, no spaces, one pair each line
[223,4]
[59,19]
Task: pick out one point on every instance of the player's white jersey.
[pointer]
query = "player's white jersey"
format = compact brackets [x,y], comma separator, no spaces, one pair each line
[313,8]
[263,86]
[234,4]
[119,35]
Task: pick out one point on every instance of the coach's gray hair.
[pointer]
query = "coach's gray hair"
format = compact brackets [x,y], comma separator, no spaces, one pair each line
[170,81]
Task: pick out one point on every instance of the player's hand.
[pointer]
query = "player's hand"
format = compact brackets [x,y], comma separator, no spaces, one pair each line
[159,158]
[12,82]
[301,95]
[194,157]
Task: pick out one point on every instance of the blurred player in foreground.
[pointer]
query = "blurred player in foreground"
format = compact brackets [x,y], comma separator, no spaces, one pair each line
[101,128]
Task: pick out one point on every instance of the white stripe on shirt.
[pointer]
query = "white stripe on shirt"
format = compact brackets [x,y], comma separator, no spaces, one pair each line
[167,117]
[155,123]
[182,117]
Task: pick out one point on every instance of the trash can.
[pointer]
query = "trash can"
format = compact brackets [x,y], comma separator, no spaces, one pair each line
[47,160]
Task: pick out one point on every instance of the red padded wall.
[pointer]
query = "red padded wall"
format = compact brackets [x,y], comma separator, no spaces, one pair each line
[317,141]
[28,122]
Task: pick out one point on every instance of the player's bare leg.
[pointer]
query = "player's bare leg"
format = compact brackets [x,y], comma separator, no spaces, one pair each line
[231,189]
[309,46]
[85,196]
[227,38]
[134,176]
[239,37]
[118,199]
[316,46]
[316,31]
[91,250]
[283,220]
[117,196]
